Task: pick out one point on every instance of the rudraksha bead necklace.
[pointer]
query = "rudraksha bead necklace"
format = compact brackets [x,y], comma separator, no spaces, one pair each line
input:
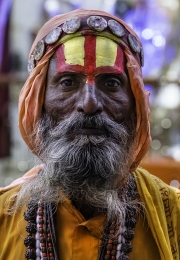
[116,245]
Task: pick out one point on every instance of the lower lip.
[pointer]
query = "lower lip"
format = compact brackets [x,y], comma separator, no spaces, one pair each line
[91,131]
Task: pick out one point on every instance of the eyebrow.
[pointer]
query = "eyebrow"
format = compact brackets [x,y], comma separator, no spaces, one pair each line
[57,76]
[123,75]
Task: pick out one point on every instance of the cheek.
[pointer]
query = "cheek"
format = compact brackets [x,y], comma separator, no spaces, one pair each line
[57,106]
[119,107]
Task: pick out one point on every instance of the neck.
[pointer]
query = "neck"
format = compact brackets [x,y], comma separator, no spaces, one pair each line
[86,210]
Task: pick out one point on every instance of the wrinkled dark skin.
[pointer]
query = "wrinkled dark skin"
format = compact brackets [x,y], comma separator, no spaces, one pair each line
[69,93]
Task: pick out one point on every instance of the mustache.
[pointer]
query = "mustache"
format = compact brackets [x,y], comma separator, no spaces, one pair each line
[69,127]
[91,159]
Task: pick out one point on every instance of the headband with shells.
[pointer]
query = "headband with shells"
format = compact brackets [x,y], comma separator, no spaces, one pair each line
[96,23]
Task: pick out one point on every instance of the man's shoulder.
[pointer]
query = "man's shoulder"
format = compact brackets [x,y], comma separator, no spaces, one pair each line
[9,192]
[32,173]
[6,197]
[149,178]
[155,186]
[12,225]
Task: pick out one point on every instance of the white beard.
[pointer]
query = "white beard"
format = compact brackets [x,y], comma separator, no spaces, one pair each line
[90,168]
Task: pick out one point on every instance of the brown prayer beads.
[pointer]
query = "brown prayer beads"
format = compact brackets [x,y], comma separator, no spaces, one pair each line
[39,242]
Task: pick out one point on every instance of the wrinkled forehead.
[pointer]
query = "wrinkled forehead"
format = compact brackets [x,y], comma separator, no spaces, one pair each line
[90,55]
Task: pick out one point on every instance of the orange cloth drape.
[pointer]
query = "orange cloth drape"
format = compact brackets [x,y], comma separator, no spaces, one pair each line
[32,95]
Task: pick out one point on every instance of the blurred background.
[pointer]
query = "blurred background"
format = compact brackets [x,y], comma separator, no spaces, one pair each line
[157,23]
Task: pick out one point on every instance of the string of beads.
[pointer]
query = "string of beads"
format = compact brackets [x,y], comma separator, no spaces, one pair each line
[116,244]
[39,240]
[119,246]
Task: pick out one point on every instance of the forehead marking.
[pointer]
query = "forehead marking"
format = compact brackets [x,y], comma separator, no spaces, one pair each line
[106,52]
[90,55]
[74,51]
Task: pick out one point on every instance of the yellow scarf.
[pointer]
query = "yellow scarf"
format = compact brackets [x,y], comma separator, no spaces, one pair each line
[162,204]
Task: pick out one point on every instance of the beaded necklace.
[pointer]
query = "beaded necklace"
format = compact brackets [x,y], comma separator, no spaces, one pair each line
[116,245]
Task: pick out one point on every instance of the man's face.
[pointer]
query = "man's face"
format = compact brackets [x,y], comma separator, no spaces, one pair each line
[88,124]
[87,76]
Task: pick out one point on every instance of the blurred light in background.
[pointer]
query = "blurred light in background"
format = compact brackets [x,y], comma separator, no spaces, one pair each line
[160,113]
[159,40]
[8,181]
[23,166]
[158,129]
[109,6]
[153,28]
[173,4]
[165,150]
[169,96]
[147,33]
[174,183]
[175,152]
[166,123]
[52,7]
[156,144]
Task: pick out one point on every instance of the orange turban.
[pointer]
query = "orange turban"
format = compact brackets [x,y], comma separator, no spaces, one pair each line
[32,95]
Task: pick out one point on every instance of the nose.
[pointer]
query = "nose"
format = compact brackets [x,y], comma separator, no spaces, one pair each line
[89,101]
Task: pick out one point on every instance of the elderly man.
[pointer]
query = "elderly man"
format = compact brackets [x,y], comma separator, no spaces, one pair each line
[84,113]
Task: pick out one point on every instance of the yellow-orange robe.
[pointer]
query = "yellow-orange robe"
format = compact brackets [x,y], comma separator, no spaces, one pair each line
[157,237]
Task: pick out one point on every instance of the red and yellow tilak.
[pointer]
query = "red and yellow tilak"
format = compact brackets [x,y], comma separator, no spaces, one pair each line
[90,55]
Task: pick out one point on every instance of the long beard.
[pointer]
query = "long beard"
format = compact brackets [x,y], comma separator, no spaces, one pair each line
[86,168]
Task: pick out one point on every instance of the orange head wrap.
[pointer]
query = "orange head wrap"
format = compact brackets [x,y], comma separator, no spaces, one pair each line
[103,24]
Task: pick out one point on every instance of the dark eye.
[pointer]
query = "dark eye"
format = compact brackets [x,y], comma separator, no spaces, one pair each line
[66,83]
[112,84]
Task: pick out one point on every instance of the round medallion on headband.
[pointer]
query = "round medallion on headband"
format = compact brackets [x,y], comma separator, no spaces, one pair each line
[31,64]
[53,35]
[116,28]
[39,50]
[72,25]
[135,46]
[97,23]
[142,56]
